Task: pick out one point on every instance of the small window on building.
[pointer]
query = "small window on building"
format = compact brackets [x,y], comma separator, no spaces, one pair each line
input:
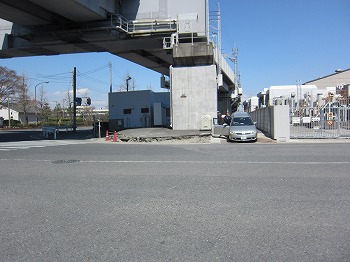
[144,110]
[127,111]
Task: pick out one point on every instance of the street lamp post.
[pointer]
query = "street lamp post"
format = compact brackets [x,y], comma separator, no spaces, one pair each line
[127,83]
[9,111]
[36,111]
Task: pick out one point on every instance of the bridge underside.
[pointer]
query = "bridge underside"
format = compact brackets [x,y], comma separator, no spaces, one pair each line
[48,27]
[147,52]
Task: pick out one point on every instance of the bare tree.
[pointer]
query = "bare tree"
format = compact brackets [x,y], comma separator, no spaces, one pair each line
[9,83]
[69,100]
[57,112]
[23,97]
[121,87]
[133,84]
[42,102]
[45,112]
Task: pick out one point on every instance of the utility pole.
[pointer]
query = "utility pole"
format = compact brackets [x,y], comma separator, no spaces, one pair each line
[298,93]
[233,57]
[74,98]
[110,77]
[235,62]
[219,39]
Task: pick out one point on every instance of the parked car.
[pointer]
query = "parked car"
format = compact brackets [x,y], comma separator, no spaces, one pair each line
[242,128]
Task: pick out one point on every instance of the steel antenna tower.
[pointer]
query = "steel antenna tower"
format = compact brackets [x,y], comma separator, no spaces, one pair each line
[233,57]
[215,18]
[235,62]
[219,40]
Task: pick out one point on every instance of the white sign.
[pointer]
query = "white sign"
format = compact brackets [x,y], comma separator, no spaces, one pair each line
[296,120]
[306,120]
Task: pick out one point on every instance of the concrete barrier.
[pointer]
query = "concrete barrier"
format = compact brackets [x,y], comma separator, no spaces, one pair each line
[273,120]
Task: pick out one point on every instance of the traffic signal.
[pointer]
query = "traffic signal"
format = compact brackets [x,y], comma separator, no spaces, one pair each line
[88,101]
[78,101]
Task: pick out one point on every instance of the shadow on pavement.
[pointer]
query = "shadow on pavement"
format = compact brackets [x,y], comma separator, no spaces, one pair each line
[15,135]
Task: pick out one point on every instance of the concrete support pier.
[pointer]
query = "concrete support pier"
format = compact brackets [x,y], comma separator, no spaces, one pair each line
[193,96]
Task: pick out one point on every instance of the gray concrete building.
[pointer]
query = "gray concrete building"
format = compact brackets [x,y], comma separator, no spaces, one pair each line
[138,109]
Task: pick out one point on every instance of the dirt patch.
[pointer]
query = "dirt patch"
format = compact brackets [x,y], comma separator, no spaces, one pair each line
[171,140]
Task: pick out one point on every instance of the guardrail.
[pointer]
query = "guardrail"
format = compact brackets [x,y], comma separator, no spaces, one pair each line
[47,130]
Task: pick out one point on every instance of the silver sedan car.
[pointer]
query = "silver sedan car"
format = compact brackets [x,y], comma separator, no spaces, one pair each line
[242,128]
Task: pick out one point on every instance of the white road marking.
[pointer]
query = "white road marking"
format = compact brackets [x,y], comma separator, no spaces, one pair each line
[20,145]
[190,162]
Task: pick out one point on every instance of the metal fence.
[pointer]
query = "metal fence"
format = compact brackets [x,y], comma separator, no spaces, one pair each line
[330,121]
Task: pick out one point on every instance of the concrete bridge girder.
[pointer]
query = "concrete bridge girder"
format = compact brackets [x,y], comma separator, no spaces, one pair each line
[45,12]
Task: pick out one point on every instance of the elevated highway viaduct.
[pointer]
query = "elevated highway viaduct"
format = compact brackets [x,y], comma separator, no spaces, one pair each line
[167,36]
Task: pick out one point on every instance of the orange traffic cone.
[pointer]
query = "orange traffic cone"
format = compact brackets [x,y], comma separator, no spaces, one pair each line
[115,138]
[107,136]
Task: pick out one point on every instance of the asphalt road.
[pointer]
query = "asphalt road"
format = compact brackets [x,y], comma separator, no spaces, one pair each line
[84,201]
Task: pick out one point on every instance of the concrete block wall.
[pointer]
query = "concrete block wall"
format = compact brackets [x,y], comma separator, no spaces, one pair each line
[262,117]
[273,120]
[280,123]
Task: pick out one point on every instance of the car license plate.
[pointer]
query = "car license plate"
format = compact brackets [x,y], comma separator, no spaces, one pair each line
[243,137]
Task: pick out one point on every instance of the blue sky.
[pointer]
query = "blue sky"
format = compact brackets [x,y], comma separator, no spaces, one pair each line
[279,43]
[282,41]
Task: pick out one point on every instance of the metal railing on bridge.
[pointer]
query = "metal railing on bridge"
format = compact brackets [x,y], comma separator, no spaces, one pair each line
[157,26]
[144,26]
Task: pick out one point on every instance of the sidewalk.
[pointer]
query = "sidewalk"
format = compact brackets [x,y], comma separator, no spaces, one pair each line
[165,135]
[173,136]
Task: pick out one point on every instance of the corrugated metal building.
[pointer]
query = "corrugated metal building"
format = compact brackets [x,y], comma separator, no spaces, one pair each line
[339,78]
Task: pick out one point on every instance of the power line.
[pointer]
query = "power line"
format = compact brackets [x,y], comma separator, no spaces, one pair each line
[93,79]
[61,78]
[94,70]
[60,75]
[117,74]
